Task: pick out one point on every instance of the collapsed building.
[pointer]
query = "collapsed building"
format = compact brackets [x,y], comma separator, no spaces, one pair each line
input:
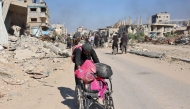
[31,15]
[59,29]
[81,31]
[160,26]
[109,31]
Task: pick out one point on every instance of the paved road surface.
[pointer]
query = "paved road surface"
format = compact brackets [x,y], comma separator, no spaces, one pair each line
[142,83]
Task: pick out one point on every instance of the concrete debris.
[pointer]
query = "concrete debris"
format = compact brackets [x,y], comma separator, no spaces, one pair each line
[25,58]
[2,74]
[4,60]
[180,59]
[25,54]
[46,38]
[1,95]
[12,82]
[1,48]
[12,38]
[43,75]
[33,73]
[171,41]
[147,54]
[57,50]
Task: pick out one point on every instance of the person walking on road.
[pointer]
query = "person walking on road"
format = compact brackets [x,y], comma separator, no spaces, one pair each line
[115,42]
[96,41]
[124,40]
[92,40]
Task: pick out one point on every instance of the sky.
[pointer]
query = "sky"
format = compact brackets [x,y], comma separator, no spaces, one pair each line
[94,14]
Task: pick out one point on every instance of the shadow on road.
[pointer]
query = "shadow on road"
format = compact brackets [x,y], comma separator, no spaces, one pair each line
[69,98]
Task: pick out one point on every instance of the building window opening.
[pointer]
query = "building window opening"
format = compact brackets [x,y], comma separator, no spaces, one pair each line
[43,20]
[33,9]
[43,9]
[34,19]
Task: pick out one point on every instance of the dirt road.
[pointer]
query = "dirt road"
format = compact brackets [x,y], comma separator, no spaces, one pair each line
[138,83]
[145,83]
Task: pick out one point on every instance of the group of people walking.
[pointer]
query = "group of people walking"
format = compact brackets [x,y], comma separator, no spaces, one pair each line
[98,41]
[101,41]
[122,44]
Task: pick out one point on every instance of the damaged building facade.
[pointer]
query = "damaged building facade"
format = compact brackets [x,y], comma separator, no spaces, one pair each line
[81,31]
[59,29]
[128,27]
[31,15]
[159,26]
[109,31]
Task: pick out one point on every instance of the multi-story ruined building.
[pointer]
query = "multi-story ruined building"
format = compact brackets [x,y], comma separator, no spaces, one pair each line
[27,14]
[81,31]
[59,29]
[158,28]
[159,25]
[161,17]
[109,31]
[38,17]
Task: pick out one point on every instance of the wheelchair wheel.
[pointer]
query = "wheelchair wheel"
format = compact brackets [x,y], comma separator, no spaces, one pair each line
[108,102]
[87,103]
[79,98]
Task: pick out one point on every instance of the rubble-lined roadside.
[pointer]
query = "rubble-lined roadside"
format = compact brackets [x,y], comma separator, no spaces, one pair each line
[169,52]
[177,40]
[26,59]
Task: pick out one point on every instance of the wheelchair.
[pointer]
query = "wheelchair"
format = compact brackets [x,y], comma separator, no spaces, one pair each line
[86,98]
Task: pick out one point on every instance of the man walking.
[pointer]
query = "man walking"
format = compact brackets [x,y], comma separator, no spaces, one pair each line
[124,40]
[92,40]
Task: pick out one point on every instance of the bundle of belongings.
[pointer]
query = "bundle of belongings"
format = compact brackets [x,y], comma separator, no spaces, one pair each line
[94,76]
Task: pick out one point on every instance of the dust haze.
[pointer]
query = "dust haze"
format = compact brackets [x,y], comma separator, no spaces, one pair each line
[73,14]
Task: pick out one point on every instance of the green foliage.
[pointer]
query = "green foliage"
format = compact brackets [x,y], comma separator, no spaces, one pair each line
[170,35]
[137,36]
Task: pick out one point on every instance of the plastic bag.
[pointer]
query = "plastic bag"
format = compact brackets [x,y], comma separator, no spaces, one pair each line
[103,70]
[86,71]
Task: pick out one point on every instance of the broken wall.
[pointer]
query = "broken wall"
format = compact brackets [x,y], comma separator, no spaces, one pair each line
[3,32]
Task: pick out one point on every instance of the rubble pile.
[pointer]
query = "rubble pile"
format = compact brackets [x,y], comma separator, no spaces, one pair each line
[136,49]
[46,38]
[26,59]
[171,41]
[172,53]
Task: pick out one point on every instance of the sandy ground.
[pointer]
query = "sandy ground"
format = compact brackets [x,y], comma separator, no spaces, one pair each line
[138,82]
[180,51]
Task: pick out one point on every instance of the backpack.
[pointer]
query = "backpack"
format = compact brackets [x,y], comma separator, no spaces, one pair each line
[73,48]
[86,71]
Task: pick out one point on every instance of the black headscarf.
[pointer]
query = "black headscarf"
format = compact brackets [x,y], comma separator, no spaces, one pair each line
[86,47]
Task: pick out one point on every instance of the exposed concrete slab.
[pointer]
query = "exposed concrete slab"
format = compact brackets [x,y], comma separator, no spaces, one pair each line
[25,54]
[3,31]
